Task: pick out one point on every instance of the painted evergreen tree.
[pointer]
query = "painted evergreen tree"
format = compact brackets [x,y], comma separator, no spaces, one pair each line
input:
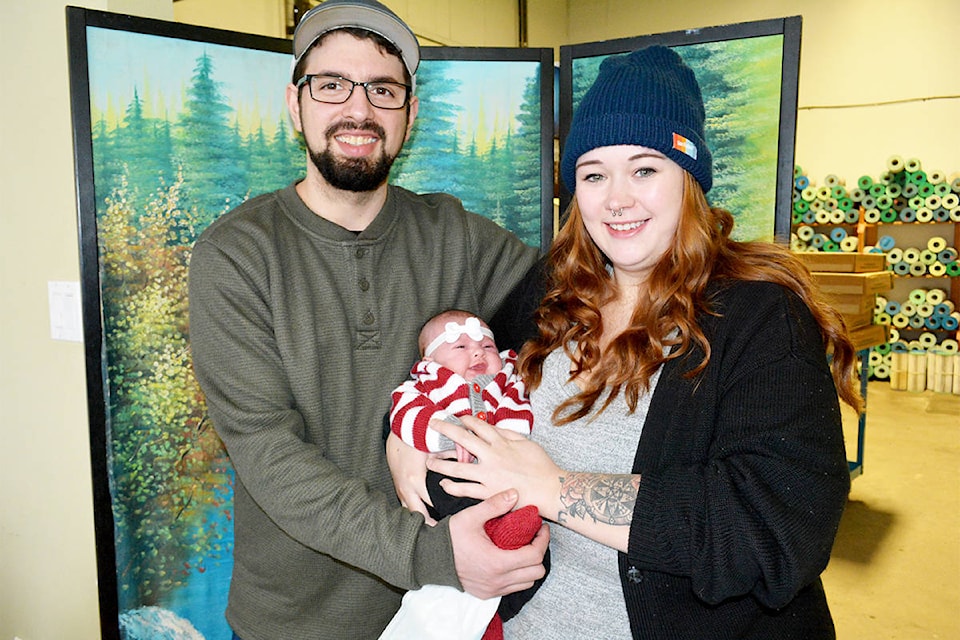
[474,175]
[145,145]
[500,184]
[524,155]
[288,152]
[430,157]
[107,170]
[209,148]
[256,148]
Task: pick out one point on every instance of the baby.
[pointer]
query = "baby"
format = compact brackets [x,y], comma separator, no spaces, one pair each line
[461,372]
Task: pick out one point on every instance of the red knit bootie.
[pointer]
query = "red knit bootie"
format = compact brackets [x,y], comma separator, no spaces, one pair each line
[515,529]
[510,531]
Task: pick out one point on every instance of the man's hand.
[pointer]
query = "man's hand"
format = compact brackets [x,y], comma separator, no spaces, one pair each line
[409,471]
[484,569]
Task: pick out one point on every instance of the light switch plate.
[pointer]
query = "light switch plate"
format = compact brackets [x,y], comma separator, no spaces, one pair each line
[66,318]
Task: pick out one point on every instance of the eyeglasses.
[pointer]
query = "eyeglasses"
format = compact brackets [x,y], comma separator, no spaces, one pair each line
[337,90]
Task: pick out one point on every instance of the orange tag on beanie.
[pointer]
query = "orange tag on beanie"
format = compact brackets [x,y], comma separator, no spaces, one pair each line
[683,145]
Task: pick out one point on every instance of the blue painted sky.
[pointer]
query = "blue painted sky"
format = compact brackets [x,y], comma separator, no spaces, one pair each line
[253,81]
[160,68]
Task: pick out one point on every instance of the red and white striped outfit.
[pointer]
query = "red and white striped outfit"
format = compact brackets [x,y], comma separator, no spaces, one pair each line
[437,392]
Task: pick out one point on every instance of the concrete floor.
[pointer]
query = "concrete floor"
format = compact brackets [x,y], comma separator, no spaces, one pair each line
[895,568]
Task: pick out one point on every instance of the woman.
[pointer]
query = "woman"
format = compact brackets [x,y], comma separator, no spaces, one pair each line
[687,433]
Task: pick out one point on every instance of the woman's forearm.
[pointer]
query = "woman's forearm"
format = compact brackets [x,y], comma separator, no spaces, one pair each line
[599,506]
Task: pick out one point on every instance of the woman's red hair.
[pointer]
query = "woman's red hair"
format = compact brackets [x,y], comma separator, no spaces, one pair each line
[579,284]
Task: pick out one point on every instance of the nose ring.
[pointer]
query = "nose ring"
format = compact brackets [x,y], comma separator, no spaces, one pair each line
[617,212]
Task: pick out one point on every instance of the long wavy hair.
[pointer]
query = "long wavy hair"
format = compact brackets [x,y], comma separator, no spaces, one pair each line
[676,293]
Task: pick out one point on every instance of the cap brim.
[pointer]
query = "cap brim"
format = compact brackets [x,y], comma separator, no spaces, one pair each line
[362,17]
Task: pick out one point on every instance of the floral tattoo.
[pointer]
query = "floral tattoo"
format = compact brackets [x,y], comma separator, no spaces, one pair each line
[608,499]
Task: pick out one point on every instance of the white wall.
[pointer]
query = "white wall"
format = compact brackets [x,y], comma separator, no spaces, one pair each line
[48,583]
[854,52]
[454,23]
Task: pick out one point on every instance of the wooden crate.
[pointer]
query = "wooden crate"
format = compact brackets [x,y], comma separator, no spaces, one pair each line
[870,336]
[857,320]
[853,305]
[843,262]
[850,284]
[854,295]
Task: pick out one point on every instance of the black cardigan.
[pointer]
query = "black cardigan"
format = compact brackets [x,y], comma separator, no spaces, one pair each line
[744,474]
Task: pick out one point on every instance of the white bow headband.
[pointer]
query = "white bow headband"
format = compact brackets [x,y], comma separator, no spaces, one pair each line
[452,331]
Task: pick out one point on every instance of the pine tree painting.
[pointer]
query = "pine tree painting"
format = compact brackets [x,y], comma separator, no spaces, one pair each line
[180,134]
[480,140]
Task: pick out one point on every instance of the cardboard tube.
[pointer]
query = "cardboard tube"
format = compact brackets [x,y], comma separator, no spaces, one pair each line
[850,244]
[917,296]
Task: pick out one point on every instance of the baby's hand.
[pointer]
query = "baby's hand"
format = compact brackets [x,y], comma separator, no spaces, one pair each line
[463,455]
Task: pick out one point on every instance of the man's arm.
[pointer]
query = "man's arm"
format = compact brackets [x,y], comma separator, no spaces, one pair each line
[249,397]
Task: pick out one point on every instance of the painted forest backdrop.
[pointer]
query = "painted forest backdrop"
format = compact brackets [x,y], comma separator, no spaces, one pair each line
[183,131]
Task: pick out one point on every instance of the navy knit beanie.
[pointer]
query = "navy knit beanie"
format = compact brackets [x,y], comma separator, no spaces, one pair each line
[648,98]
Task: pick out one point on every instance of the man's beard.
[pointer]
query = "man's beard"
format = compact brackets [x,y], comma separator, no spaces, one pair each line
[352,174]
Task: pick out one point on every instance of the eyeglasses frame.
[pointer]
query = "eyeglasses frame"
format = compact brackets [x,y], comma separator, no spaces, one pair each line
[305,80]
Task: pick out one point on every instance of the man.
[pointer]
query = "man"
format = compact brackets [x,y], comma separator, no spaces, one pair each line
[305,305]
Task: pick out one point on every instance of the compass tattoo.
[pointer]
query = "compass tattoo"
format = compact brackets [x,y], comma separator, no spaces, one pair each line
[608,499]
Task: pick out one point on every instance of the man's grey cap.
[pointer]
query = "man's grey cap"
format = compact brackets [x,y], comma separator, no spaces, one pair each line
[364,14]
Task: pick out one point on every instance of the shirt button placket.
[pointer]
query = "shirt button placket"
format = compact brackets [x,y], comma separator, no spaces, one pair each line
[368,318]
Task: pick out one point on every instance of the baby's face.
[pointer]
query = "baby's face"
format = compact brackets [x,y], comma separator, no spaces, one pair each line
[469,358]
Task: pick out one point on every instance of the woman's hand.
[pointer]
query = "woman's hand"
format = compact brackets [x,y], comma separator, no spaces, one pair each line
[505,460]
[409,471]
